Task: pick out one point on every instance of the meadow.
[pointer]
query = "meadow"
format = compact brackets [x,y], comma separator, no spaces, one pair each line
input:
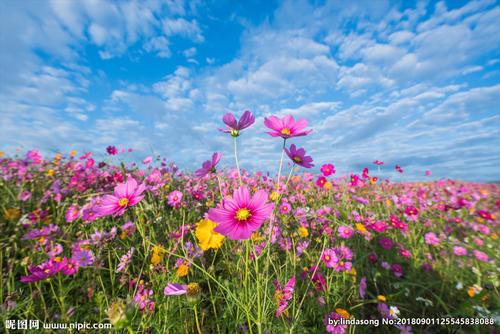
[149,248]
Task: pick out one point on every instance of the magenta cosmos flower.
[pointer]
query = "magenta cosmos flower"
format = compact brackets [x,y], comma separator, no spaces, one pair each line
[174,289]
[286,128]
[233,126]
[328,169]
[209,166]
[125,195]
[45,270]
[241,215]
[299,156]
[283,295]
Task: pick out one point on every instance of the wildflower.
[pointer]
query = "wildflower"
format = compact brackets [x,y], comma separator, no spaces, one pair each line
[285,208]
[182,270]
[175,197]
[384,311]
[127,229]
[321,181]
[362,287]
[282,295]
[431,238]
[83,257]
[142,299]
[125,195]
[193,292]
[343,313]
[485,214]
[233,126]
[428,172]
[328,169]
[330,324]
[398,271]
[125,260]
[12,214]
[45,270]
[209,166]
[459,286]
[386,243]
[299,157]
[399,169]
[381,298]
[394,311]
[147,160]
[25,195]
[480,255]
[207,238]
[376,162]
[411,211]
[286,128]
[459,250]
[111,150]
[70,268]
[404,253]
[241,215]
[72,213]
[344,232]
[372,257]
[330,258]
[174,289]
[303,232]
[474,290]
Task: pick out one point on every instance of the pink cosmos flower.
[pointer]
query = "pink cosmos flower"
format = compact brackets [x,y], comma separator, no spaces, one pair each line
[83,257]
[299,156]
[285,208]
[344,232]
[328,169]
[331,327]
[321,181]
[239,216]
[72,213]
[480,255]
[174,197]
[397,270]
[428,172]
[147,160]
[286,128]
[386,243]
[330,257]
[376,162]
[70,268]
[362,287]
[282,295]
[411,211]
[25,195]
[209,166]
[399,169]
[233,126]
[431,238]
[45,270]
[174,289]
[125,195]
[459,250]
[111,150]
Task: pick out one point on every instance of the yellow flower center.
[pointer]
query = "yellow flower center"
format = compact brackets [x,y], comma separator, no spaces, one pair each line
[243,214]
[297,159]
[193,289]
[278,296]
[327,258]
[123,201]
[285,131]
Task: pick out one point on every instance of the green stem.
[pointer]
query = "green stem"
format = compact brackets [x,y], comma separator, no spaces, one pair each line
[196,318]
[236,158]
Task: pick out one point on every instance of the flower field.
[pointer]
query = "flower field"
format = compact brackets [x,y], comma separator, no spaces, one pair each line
[153,249]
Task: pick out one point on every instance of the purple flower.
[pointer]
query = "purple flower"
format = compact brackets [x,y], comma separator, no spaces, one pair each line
[209,166]
[125,260]
[282,295]
[70,268]
[233,126]
[174,197]
[174,289]
[83,257]
[23,196]
[299,156]
[45,270]
[362,287]
[386,243]
[111,150]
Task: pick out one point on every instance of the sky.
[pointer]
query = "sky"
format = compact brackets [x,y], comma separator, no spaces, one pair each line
[413,83]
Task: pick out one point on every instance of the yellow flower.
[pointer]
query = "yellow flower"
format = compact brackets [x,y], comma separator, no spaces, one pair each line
[207,238]
[12,214]
[303,232]
[1,153]
[182,270]
[353,273]
[72,152]
[343,313]
[361,228]
[50,172]
[327,185]
[158,255]
[381,298]
[273,196]
[256,237]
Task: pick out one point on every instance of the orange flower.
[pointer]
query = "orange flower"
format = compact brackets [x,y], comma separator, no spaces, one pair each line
[182,270]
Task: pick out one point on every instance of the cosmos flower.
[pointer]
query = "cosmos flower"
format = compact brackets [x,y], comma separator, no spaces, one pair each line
[399,169]
[147,160]
[458,250]
[283,295]
[345,232]
[111,150]
[241,215]
[175,197]
[328,169]
[286,128]
[362,287]
[330,324]
[330,258]
[376,162]
[70,268]
[209,166]
[174,289]
[299,156]
[386,243]
[45,270]
[431,238]
[125,260]
[321,181]
[125,195]
[207,238]
[24,195]
[285,208]
[83,257]
[233,126]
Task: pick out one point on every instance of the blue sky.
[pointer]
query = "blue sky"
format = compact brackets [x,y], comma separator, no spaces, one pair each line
[409,83]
